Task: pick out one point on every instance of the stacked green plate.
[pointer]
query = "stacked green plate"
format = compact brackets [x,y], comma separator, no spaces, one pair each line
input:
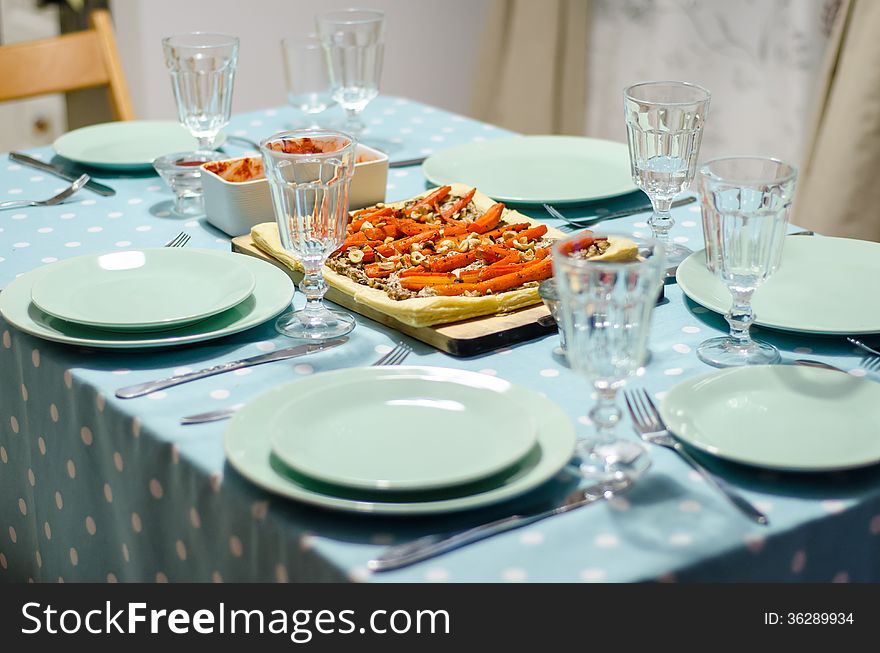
[410,440]
[205,317]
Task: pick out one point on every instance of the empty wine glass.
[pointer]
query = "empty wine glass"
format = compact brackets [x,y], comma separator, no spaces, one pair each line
[605,310]
[354,42]
[746,201]
[309,173]
[305,72]
[664,125]
[202,67]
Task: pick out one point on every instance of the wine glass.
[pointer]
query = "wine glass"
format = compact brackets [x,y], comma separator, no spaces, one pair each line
[664,125]
[202,67]
[605,310]
[309,173]
[746,202]
[305,71]
[353,42]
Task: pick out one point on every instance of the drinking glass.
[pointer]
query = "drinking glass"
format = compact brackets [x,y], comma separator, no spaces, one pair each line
[309,173]
[353,42]
[664,125]
[605,309]
[305,71]
[746,202]
[202,67]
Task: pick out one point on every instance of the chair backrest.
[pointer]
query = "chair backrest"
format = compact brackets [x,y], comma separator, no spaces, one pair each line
[70,62]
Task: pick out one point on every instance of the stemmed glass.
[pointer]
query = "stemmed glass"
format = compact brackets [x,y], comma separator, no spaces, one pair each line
[354,43]
[605,309]
[664,125]
[202,67]
[309,173]
[305,71]
[746,202]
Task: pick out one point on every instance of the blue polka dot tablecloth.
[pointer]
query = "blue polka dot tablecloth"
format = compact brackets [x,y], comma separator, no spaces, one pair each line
[97,489]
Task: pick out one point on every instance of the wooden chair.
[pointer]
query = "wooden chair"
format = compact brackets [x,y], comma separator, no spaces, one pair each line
[70,62]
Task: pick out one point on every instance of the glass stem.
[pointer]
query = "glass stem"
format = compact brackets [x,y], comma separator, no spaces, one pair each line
[353,123]
[205,142]
[313,287]
[661,221]
[740,317]
[605,414]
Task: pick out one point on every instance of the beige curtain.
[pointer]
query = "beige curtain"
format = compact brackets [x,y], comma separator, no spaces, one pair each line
[531,70]
[839,187]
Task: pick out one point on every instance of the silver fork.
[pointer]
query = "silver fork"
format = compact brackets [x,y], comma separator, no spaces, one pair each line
[861,345]
[650,426]
[871,363]
[179,240]
[52,201]
[394,357]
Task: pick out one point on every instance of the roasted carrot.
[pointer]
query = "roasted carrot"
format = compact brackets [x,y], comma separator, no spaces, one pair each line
[500,231]
[372,218]
[535,272]
[447,213]
[410,227]
[489,220]
[532,233]
[430,199]
[417,282]
[449,262]
[378,271]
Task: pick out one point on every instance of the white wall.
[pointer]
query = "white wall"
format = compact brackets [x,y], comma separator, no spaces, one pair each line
[429,46]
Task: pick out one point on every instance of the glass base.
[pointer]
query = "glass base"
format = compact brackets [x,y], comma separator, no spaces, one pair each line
[612,463]
[727,352]
[307,326]
[675,255]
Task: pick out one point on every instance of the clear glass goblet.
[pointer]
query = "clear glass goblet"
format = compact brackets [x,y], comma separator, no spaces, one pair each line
[305,72]
[202,67]
[354,43]
[664,125]
[605,310]
[309,173]
[746,202]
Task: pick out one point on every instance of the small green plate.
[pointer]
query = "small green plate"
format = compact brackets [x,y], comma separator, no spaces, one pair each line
[402,430]
[272,294]
[822,286]
[784,417]
[537,169]
[127,145]
[143,290]
[249,451]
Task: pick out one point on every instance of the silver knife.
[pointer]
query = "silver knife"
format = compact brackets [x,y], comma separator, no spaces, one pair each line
[593,219]
[92,185]
[402,555]
[141,389]
[211,415]
[402,163]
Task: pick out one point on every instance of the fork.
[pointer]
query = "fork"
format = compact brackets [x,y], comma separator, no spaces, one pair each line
[52,201]
[871,363]
[581,223]
[394,357]
[179,240]
[650,426]
[861,345]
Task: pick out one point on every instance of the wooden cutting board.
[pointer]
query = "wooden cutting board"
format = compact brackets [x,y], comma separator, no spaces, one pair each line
[466,338]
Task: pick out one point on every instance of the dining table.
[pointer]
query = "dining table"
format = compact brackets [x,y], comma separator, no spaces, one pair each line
[96,488]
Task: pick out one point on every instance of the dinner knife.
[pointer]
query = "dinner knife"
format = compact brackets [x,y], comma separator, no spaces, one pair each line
[403,163]
[623,213]
[92,185]
[141,389]
[402,555]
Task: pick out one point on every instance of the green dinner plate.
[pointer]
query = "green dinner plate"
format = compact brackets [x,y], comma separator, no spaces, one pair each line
[402,430]
[823,286]
[536,169]
[272,294]
[249,451]
[127,145]
[143,290]
[784,417]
